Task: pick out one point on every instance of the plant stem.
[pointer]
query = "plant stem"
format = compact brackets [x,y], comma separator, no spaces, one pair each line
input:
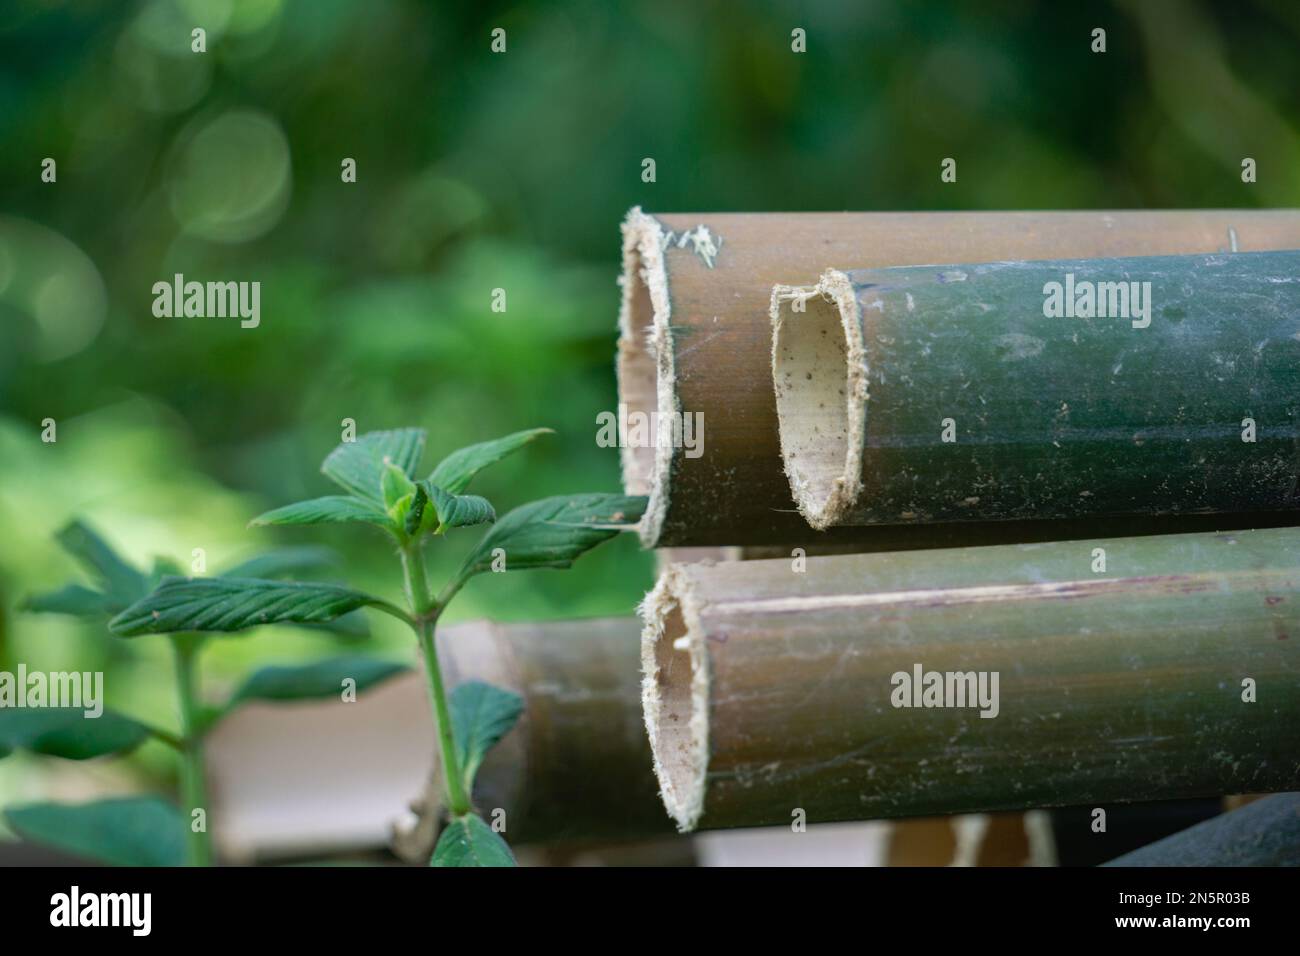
[426,614]
[194,788]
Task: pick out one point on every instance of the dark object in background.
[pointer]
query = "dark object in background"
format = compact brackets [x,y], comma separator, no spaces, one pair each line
[1263,833]
[31,854]
[1129,826]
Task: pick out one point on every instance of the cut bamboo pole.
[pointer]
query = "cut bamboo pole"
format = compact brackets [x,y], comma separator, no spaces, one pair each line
[948,393]
[767,691]
[695,335]
[1263,833]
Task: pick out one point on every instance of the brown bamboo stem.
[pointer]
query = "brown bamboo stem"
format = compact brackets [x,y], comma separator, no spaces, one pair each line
[577,766]
[767,690]
[695,332]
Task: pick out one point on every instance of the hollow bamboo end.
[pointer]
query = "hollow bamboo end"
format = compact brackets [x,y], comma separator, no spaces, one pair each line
[819,372]
[647,380]
[675,695]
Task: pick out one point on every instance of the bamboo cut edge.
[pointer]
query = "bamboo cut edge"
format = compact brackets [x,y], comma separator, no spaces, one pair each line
[675,677]
[823,497]
[645,362]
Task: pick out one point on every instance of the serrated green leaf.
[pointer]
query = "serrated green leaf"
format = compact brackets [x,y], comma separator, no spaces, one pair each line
[480,716]
[331,509]
[317,679]
[468,841]
[283,562]
[125,831]
[358,466]
[232,604]
[455,472]
[553,532]
[67,732]
[121,582]
[457,511]
[69,599]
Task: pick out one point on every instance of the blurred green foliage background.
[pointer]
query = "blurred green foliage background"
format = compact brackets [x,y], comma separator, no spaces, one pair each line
[476,171]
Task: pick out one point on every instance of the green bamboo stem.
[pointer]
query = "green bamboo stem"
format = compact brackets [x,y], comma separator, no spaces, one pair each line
[696,337]
[945,394]
[194,790]
[768,690]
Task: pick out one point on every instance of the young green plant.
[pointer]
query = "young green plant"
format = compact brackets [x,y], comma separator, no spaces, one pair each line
[148,830]
[377,471]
